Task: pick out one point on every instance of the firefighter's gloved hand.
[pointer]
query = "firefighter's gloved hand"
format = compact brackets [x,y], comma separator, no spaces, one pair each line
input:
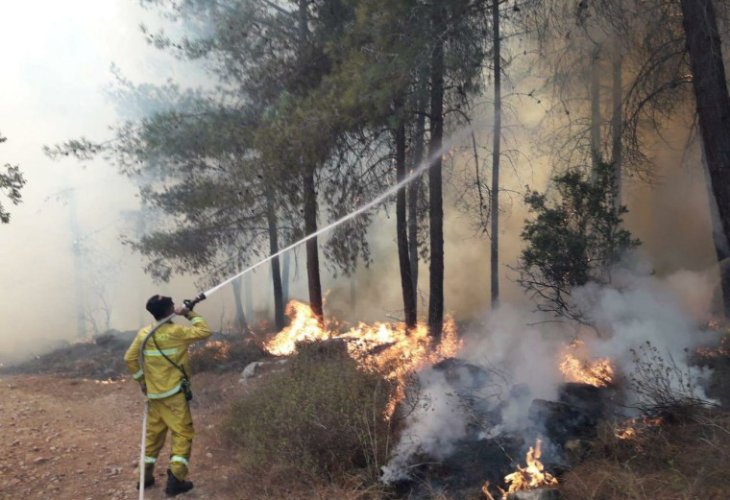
[182,311]
[143,386]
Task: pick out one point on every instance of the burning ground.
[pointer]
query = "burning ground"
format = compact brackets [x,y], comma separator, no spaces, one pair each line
[515,403]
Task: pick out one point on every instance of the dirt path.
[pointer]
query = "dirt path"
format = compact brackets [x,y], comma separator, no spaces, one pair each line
[79,439]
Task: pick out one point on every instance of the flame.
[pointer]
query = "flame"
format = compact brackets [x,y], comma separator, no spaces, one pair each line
[387,348]
[530,477]
[598,373]
[626,433]
[304,327]
[630,430]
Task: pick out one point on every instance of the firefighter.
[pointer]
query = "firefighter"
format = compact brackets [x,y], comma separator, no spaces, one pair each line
[165,380]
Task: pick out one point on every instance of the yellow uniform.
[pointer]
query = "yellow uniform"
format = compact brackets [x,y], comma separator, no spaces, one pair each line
[168,408]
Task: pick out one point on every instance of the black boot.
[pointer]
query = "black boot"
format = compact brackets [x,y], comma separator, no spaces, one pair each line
[175,486]
[149,478]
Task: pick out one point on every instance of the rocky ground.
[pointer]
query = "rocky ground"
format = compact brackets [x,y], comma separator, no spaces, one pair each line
[70,438]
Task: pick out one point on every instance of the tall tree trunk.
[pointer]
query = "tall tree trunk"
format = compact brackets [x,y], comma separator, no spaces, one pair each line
[271,219]
[595,91]
[406,282]
[494,264]
[310,197]
[436,208]
[310,226]
[722,248]
[713,102]
[241,322]
[415,186]
[285,277]
[617,127]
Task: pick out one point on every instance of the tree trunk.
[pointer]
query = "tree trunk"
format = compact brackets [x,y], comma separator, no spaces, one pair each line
[310,226]
[279,318]
[722,248]
[596,156]
[310,198]
[409,307]
[494,264]
[415,186]
[241,322]
[436,209]
[713,102]
[617,128]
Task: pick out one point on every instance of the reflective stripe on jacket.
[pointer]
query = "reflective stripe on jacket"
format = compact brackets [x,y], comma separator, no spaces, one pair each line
[160,376]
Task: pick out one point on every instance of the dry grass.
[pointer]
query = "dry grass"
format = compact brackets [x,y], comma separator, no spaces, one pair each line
[682,461]
[321,419]
[278,481]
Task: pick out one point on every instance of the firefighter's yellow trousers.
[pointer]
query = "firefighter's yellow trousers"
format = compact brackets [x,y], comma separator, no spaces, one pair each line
[169,413]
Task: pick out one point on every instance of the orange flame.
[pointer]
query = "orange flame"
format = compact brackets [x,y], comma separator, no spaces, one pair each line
[626,433]
[598,373]
[304,327]
[630,430]
[530,477]
[387,348]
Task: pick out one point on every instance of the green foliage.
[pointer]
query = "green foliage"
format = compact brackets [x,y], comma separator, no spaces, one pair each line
[11,181]
[322,415]
[572,240]
[301,87]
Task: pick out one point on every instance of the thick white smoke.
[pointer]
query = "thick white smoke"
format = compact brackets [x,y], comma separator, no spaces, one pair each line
[642,310]
[522,350]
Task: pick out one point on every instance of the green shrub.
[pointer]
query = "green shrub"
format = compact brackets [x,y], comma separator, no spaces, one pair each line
[575,236]
[322,415]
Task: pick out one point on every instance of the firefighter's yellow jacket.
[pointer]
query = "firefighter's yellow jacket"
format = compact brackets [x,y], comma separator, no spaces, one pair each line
[160,376]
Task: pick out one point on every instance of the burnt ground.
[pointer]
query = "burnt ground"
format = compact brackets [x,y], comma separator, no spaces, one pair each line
[101,358]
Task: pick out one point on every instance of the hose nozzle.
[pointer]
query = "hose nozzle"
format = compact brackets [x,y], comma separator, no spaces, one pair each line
[190,303]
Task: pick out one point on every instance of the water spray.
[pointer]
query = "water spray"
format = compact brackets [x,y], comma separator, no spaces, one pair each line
[415,174]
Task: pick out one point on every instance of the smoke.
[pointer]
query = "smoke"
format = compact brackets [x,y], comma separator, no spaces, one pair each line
[663,314]
[520,351]
[53,90]
[426,431]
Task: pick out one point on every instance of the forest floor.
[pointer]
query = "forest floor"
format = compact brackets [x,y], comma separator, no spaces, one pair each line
[68,437]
